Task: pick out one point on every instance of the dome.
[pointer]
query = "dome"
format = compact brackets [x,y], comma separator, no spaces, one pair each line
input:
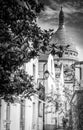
[60,37]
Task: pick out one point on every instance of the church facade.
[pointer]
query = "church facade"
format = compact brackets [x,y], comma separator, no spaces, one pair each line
[64,70]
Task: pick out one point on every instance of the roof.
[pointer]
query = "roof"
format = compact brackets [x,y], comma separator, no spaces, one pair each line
[61,37]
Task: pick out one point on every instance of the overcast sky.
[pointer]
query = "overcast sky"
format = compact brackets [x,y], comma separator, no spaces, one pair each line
[73,19]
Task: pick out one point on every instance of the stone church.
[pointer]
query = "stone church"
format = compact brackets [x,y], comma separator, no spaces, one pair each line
[69,57]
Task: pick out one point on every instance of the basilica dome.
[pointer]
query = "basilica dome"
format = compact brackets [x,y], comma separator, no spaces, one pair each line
[61,37]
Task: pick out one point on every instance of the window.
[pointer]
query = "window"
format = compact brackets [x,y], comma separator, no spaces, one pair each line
[40,109]
[51,66]
[34,106]
[66,53]
[34,114]
[22,114]
[57,106]
[34,71]
[8,116]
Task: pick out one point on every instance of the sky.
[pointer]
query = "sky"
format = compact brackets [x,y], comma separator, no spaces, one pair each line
[73,11]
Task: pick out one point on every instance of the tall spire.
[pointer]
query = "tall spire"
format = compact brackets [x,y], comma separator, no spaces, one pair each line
[61,18]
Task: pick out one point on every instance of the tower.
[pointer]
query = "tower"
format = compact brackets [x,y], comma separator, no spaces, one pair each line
[69,57]
[61,38]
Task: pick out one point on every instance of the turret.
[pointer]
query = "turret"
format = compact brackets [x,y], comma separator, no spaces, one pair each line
[61,18]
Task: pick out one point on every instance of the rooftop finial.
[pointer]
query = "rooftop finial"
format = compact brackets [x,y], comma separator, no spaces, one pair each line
[61,17]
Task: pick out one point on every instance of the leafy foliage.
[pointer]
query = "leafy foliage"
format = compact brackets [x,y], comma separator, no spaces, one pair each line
[20,41]
[19,84]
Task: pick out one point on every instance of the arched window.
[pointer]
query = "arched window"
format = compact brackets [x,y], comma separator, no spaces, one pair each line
[71,53]
[66,53]
[34,71]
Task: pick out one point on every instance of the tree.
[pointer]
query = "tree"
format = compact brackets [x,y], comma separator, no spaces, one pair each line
[20,41]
